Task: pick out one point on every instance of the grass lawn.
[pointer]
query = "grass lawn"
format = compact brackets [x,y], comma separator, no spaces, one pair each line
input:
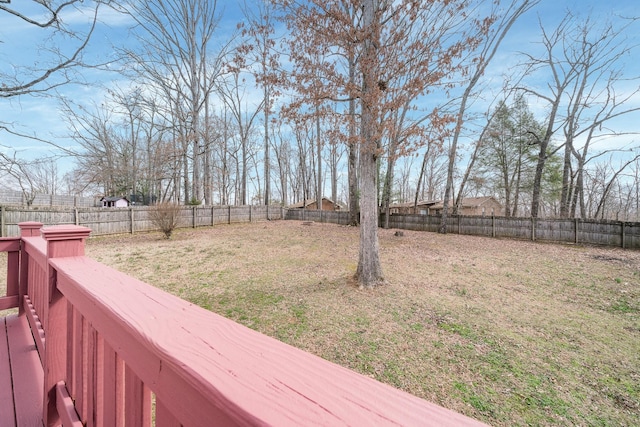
[508,332]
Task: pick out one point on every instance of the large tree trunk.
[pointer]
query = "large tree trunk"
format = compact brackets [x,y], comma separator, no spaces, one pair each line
[369,272]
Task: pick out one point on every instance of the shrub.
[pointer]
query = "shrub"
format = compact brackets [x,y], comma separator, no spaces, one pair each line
[165,216]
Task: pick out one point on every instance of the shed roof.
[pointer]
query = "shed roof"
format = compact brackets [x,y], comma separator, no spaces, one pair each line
[113,199]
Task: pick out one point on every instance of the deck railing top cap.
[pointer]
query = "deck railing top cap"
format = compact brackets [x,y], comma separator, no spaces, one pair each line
[65,232]
[30,228]
[30,225]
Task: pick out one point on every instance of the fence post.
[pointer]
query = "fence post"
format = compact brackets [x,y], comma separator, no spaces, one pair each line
[229,218]
[193,217]
[3,232]
[213,215]
[576,224]
[622,225]
[250,212]
[131,219]
[533,229]
[493,225]
[62,241]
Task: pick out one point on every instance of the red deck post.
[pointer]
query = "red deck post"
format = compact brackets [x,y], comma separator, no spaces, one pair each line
[27,229]
[30,228]
[62,241]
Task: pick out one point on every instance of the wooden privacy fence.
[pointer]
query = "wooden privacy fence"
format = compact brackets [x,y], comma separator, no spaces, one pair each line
[592,232]
[568,230]
[17,198]
[103,221]
[111,345]
[334,217]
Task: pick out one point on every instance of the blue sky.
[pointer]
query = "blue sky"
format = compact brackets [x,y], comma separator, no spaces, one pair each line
[39,115]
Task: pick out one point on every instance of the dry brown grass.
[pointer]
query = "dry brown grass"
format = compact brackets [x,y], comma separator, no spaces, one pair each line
[509,332]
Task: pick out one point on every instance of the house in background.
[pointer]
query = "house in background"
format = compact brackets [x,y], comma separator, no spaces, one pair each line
[114,202]
[312,204]
[472,206]
[422,207]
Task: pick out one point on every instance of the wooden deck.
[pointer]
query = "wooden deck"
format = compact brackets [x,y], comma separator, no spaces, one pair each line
[21,375]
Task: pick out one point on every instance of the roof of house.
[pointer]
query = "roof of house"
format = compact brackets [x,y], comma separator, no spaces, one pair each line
[308,202]
[470,202]
[410,204]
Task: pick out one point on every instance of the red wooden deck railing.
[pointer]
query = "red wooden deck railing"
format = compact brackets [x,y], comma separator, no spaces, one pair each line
[109,344]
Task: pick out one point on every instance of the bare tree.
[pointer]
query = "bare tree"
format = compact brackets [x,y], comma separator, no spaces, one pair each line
[496,32]
[99,153]
[50,68]
[122,144]
[431,176]
[265,69]
[178,54]
[282,149]
[609,185]
[50,64]
[39,176]
[592,102]
[234,96]
[584,62]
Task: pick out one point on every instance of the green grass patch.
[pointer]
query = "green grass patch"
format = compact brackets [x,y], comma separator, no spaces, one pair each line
[456,328]
[623,306]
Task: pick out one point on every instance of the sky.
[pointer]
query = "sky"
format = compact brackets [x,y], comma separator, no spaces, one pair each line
[39,115]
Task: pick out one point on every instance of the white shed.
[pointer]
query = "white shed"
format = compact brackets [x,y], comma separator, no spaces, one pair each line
[114,202]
